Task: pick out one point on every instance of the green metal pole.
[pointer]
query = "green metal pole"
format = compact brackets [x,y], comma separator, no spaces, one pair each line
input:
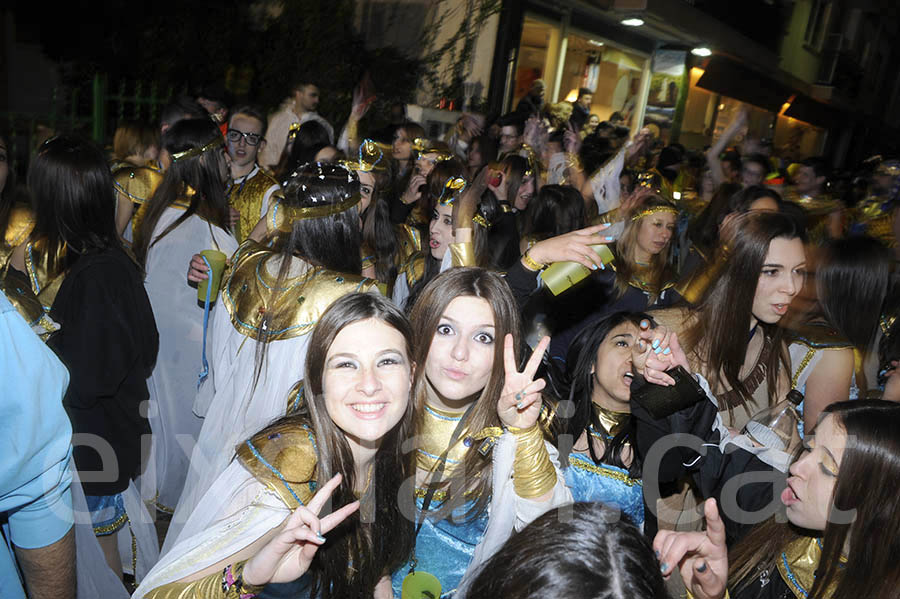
[99,113]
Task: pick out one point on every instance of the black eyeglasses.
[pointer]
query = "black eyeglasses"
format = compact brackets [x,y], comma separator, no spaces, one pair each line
[235,136]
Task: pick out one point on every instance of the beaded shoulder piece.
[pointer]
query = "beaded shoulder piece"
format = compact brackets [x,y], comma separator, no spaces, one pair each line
[284,459]
[798,563]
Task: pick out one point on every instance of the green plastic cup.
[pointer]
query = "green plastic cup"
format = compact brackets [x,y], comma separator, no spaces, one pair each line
[216,261]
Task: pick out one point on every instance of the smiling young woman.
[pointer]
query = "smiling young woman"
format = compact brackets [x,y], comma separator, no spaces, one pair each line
[260,519]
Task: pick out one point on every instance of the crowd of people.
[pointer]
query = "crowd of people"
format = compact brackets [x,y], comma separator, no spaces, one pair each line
[530,356]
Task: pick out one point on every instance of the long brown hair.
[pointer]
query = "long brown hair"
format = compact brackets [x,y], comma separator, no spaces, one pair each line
[867,484]
[201,174]
[718,337]
[474,472]
[661,271]
[382,540]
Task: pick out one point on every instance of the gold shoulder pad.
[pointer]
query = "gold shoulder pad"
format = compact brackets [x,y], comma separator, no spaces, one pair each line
[137,183]
[284,458]
[21,223]
[818,336]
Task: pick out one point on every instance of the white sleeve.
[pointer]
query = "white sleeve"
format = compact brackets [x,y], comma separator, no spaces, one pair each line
[503,522]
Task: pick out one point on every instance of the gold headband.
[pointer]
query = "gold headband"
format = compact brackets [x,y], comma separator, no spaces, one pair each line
[282,217]
[191,152]
[653,210]
[424,146]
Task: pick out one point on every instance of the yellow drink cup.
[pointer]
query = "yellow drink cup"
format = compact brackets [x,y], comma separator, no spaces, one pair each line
[559,276]
[216,261]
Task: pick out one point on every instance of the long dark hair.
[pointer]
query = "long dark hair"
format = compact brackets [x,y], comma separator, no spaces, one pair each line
[6,193]
[202,174]
[331,241]
[495,235]
[581,360]
[556,210]
[852,279]
[703,231]
[718,338]
[73,197]
[310,138]
[378,236]
[580,550]
[425,317]
[867,484]
[374,546]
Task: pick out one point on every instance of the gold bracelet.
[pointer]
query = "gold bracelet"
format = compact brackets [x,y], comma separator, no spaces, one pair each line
[532,264]
[533,472]
[463,254]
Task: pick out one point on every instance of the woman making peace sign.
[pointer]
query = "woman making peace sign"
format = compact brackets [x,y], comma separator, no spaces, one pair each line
[483,467]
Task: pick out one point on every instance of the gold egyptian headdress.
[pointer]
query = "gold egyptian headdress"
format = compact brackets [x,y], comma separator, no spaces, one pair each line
[373,157]
[452,189]
[281,216]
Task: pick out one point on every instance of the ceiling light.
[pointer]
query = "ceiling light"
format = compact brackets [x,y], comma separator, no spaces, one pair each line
[702,51]
[633,22]
[595,43]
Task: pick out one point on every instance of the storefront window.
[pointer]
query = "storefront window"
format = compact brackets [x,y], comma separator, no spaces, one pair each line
[612,74]
[761,122]
[796,140]
[536,60]
[699,112]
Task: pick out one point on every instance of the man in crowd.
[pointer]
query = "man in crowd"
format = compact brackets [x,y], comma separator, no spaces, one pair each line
[298,108]
[251,187]
[581,108]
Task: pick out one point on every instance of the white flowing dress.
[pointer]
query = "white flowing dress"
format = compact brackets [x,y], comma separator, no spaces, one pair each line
[179,319]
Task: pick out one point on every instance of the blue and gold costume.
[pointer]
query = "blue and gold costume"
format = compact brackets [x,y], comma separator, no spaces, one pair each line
[446,547]
[605,483]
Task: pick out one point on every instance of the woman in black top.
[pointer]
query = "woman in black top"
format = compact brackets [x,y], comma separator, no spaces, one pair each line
[107,337]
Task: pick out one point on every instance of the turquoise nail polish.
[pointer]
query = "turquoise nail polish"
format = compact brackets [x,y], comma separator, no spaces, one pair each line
[655,343]
[518,405]
[320,537]
[656,350]
[593,267]
[608,238]
[701,567]
[667,351]
[663,567]
[602,266]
